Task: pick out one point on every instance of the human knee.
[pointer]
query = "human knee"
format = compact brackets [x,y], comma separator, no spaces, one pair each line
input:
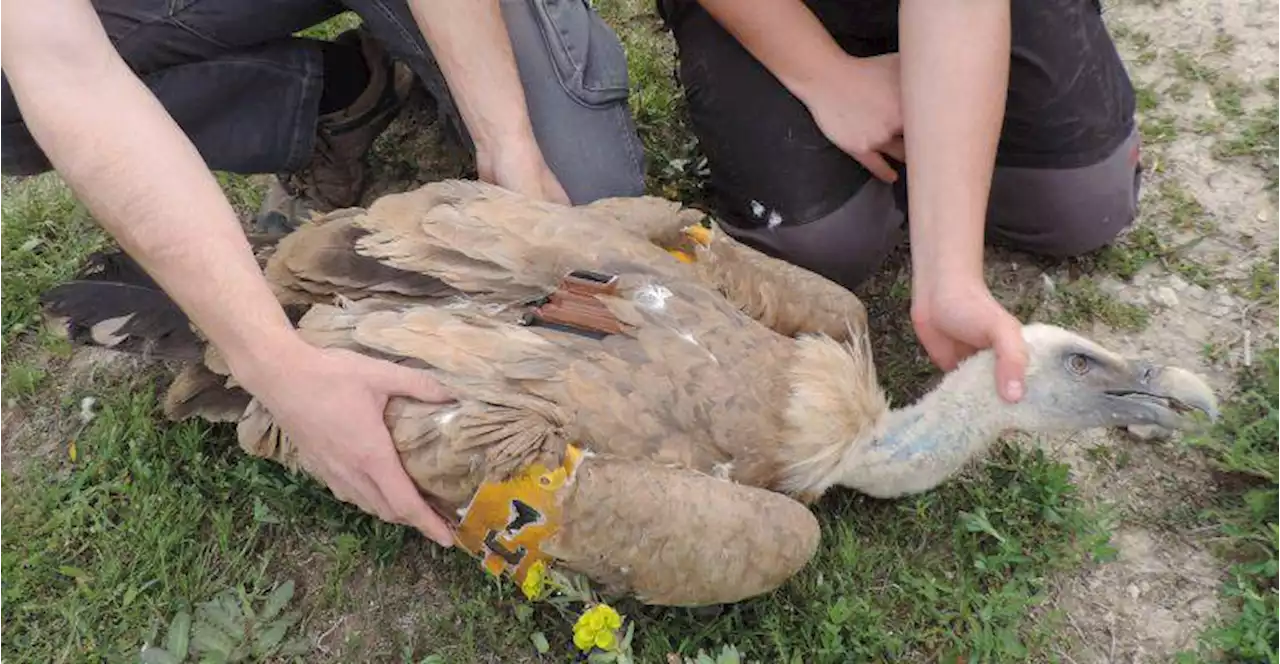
[1068,212]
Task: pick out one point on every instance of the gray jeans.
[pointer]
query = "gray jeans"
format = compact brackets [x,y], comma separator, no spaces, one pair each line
[246,91]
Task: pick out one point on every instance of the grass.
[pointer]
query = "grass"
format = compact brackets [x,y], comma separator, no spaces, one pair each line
[1255,140]
[22,380]
[46,235]
[1243,449]
[1260,286]
[1083,301]
[150,520]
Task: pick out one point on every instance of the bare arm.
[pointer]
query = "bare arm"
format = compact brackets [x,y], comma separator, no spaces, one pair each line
[955,68]
[955,64]
[854,101]
[785,36]
[470,42]
[143,180]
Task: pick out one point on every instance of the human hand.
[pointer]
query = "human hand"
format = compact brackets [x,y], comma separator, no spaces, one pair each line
[331,402]
[520,167]
[953,321]
[858,107]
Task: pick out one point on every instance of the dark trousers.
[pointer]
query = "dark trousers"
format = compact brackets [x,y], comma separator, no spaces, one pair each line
[247,92]
[1067,168]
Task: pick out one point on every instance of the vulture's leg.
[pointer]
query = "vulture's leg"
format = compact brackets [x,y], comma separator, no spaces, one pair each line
[676,537]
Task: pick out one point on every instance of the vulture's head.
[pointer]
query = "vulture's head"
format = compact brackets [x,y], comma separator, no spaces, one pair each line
[1074,383]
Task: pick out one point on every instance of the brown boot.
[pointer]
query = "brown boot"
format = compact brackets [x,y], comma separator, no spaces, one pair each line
[337,174]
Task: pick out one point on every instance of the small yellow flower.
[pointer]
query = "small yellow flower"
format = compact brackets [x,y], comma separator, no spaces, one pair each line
[535,580]
[595,628]
[611,618]
[583,639]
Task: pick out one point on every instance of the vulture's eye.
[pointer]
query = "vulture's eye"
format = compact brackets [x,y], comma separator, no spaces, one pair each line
[1078,364]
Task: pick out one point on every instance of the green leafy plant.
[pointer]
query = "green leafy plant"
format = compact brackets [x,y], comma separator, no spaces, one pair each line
[229,629]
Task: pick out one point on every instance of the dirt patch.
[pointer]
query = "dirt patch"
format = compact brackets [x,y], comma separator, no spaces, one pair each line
[1139,607]
[44,424]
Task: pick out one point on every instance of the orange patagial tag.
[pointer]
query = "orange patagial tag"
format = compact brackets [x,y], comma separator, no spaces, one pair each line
[682,255]
[506,522]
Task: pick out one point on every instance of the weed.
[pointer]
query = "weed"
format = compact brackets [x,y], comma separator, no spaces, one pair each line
[1225,43]
[22,380]
[332,27]
[1184,210]
[229,629]
[1227,93]
[1243,445]
[1158,129]
[1190,68]
[1256,140]
[1082,301]
[243,194]
[1146,98]
[1134,251]
[1179,91]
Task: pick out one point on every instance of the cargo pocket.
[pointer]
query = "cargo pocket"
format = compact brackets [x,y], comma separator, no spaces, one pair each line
[585,52]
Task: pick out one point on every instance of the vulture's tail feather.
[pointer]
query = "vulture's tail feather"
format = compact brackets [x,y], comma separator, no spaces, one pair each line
[114,303]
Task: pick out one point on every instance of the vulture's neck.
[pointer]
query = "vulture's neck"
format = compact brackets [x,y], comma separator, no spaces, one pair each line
[840,429]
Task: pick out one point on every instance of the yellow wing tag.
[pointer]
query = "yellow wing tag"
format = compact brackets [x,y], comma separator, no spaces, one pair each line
[506,522]
[682,255]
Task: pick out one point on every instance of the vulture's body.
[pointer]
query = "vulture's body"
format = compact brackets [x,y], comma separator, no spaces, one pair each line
[656,424]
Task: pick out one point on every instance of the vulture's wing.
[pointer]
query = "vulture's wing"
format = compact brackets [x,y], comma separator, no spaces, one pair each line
[320,260]
[483,239]
[113,303]
[492,430]
[199,392]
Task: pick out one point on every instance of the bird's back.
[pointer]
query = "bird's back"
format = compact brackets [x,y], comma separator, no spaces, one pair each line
[689,381]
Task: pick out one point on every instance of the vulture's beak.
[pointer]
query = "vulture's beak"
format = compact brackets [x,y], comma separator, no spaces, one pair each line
[1170,397]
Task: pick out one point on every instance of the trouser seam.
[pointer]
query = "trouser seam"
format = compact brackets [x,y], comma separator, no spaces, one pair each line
[409,38]
[179,23]
[302,144]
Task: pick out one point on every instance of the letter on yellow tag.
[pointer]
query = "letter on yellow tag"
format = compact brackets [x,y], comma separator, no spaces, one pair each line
[506,522]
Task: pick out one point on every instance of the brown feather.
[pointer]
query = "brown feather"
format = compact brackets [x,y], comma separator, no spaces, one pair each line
[198,392]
